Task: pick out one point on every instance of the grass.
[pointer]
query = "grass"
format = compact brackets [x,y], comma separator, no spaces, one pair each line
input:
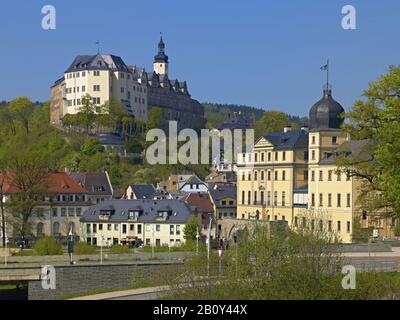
[8,288]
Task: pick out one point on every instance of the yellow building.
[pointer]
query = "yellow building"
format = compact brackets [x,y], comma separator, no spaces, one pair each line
[153,222]
[292,173]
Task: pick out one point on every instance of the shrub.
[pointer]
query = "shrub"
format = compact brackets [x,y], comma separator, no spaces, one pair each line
[120,249]
[48,247]
[83,248]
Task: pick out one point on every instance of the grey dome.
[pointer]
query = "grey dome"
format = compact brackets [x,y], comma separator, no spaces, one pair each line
[326,113]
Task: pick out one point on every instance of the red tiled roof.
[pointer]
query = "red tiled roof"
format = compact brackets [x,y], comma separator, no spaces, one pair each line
[201,201]
[58,183]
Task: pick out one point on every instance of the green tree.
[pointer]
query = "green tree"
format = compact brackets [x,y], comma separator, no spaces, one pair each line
[154,119]
[375,123]
[91,146]
[87,113]
[272,121]
[22,109]
[191,229]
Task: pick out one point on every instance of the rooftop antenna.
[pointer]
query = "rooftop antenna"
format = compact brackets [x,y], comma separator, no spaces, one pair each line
[98,46]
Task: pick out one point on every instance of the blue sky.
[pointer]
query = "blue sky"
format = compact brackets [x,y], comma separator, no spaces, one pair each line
[259,53]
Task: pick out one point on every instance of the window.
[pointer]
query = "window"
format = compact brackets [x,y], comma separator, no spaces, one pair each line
[262,156]
[330,175]
[96,88]
[275,198]
[262,175]
[321,200]
[249,197]
[330,225]
[348,177]
[243,176]
[116,227]
[283,175]
[276,175]
[313,155]
[178,230]
[256,157]
[109,227]
[305,155]
[55,212]
[269,156]
[329,199]
[276,156]
[313,200]
[339,176]
[243,199]
[313,140]
[269,198]
[124,229]
[83,88]
[96,73]
[305,175]
[339,200]
[56,228]
[63,212]
[348,227]
[255,175]
[132,227]
[262,197]
[334,140]
[158,228]
[139,229]
[321,175]
[122,89]
[171,230]
[296,222]
[348,202]
[94,228]
[255,197]
[269,176]
[283,199]
[339,226]
[71,212]
[249,176]
[283,156]
[313,175]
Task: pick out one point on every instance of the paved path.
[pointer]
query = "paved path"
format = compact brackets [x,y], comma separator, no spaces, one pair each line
[134,294]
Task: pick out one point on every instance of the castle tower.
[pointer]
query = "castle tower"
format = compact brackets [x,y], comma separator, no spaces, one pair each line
[161,60]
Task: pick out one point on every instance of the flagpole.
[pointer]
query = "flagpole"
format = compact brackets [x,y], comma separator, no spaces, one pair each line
[327,76]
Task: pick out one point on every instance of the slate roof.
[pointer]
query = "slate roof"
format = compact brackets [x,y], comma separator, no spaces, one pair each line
[94,183]
[360,149]
[110,139]
[179,211]
[98,62]
[288,140]
[145,191]
[223,192]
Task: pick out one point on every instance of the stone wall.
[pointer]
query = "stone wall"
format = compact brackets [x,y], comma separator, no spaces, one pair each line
[72,280]
[178,107]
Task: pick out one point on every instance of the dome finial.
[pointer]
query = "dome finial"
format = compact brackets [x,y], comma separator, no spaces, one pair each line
[326,68]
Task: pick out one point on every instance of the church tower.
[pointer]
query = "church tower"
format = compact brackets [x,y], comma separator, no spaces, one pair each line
[161,60]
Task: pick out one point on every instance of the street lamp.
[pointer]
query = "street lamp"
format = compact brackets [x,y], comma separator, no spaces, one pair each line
[71,247]
[152,247]
[197,240]
[210,215]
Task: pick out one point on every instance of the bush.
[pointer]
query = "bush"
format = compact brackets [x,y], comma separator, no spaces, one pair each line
[47,247]
[120,249]
[83,248]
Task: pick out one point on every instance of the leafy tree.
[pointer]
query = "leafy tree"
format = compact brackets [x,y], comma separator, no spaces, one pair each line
[154,120]
[375,123]
[87,113]
[272,121]
[91,146]
[22,109]
[191,229]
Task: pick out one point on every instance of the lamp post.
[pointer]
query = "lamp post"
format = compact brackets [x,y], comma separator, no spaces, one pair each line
[197,241]
[101,247]
[152,246]
[71,247]
[209,244]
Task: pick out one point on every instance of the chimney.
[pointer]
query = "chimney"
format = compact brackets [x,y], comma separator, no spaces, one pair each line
[287,129]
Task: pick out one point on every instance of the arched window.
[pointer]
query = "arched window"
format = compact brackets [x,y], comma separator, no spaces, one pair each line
[56,228]
[39,229]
